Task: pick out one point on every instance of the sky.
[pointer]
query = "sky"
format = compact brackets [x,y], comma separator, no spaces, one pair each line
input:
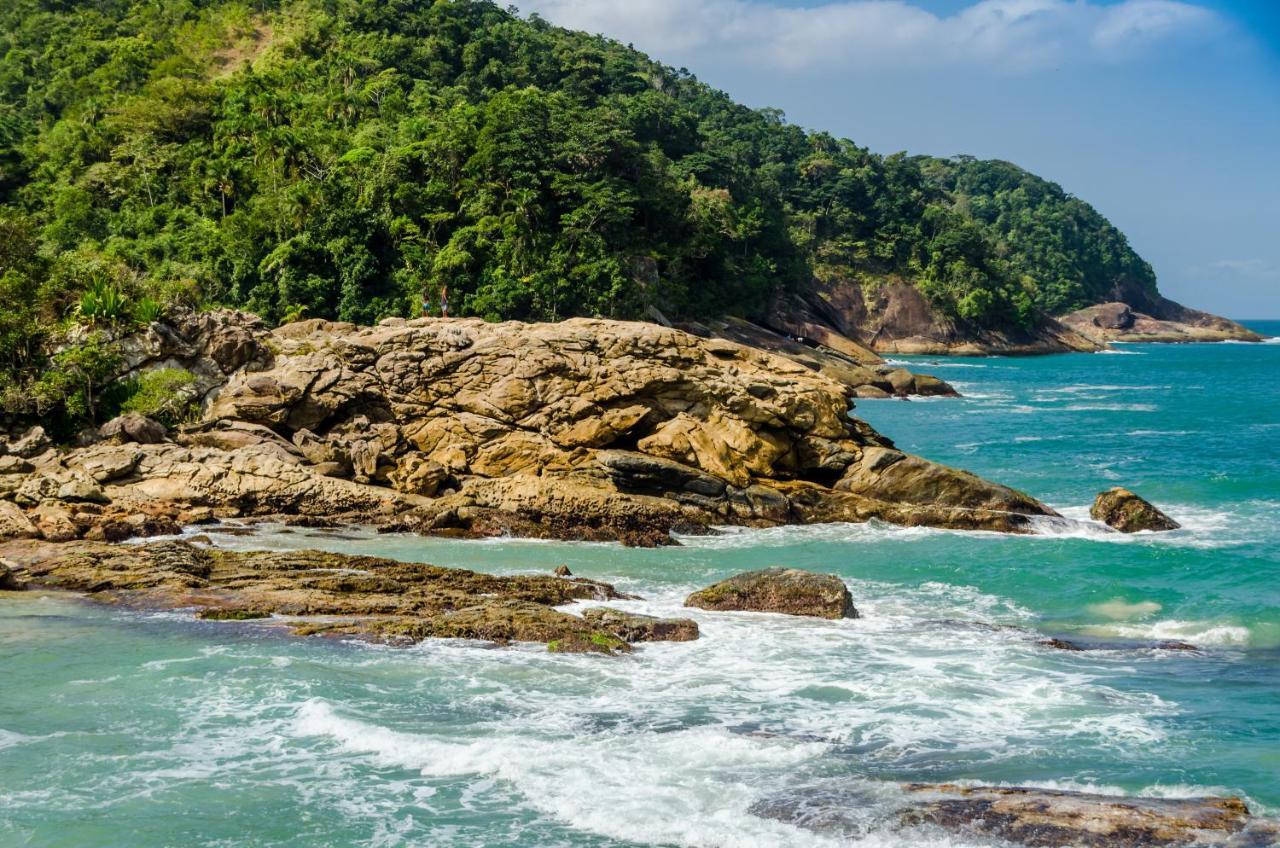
[1163,114]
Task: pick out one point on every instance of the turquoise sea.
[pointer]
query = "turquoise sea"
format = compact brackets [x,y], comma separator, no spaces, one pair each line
[148,730]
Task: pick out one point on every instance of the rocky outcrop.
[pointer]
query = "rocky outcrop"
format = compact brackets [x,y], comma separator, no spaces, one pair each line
[1036,818]
[1123,510]
[314,592]
[586,429]
[1154,320]
[783,590]
[829,353]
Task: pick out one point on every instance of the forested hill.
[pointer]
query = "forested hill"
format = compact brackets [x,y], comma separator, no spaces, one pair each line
[1072,255]
[346,158]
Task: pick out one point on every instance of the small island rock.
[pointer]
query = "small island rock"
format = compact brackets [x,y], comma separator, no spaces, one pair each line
[785,590]
[633,627]
[1128,513]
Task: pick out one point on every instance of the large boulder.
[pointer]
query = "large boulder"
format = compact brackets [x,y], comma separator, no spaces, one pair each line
[14,523]
[31,444]
[54,522]
[133,427]
[894,477]
[785,590]
[1129,513]
[106,463]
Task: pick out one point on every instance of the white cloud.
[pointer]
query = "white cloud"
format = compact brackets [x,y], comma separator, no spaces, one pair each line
[1006,35]
[1256,269]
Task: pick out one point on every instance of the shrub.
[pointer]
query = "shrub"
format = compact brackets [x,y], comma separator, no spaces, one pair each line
[148,310]
[167,394]
[102,303]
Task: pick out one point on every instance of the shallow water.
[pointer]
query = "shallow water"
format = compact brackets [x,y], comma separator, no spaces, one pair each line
[120,728]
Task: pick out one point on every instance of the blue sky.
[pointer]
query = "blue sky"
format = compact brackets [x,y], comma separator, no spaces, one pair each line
[1165,115]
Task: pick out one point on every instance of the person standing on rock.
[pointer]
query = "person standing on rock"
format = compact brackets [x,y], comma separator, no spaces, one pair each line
[426,304]
[444,302]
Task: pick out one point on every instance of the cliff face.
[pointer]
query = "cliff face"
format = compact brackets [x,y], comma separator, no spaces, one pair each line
[580,429]
[897,318]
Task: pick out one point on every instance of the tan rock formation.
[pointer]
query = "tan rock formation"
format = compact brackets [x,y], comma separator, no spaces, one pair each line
[1158,321]
[585,429]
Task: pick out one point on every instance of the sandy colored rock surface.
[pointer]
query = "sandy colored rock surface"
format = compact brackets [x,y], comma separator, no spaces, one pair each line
[584,429]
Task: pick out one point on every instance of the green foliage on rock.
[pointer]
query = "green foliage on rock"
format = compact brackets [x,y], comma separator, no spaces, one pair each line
[349,158]
[166,394]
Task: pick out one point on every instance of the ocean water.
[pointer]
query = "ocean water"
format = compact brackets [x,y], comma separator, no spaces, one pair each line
[142,730]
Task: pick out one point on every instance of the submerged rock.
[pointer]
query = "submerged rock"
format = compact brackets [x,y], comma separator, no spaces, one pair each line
[1128,513]
[1061,644]
[633,627]
[785,590]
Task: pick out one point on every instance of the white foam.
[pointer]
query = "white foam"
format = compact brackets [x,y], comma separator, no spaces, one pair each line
[730,536]
[10,739]
[1199,633]
[682,788]
[1202,528]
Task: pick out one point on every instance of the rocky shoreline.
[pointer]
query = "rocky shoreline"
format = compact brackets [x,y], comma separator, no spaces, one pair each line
[585,429]
[895,318]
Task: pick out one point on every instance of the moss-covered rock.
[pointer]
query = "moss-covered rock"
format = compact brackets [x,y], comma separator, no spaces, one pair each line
[785,590]
[216,614]
[318,592]
[633,627]
[1129,513]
